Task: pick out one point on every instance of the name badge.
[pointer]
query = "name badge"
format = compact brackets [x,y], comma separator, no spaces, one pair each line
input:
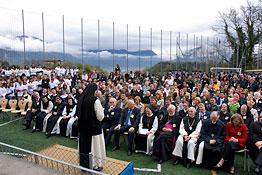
[187,115]
[132,116]
[174,125]
[112,113]
[239,133]
[206,101]
[55,107]
[212,135]
[260,101]
[244,117]
[205,117]
[37,103]
[71,109]
[226,117]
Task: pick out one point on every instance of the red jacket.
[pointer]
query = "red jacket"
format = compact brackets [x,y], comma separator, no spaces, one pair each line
[240,133]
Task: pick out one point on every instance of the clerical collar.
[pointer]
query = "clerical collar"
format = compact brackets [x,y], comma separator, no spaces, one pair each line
[150,115]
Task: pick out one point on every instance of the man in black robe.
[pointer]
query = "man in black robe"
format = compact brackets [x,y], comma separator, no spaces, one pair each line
[184,112]
[246,115]
[168,131]
[112,115]
[56,113]
[213,134]
[128,122]
[35,109]
[254,143]
[46,107]
[224,114]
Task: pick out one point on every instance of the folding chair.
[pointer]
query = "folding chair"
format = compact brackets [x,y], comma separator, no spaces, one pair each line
[21,105]
[3,103]
[246,159]
[12,104]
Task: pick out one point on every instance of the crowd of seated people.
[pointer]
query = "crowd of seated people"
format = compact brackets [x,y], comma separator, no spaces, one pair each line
[197,118]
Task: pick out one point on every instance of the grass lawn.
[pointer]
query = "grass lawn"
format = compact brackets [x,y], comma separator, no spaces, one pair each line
[13,134]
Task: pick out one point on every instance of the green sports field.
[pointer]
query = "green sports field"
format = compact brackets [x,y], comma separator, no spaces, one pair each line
[13,134]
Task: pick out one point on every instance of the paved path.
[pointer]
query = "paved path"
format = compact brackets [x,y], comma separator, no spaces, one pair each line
[14,166]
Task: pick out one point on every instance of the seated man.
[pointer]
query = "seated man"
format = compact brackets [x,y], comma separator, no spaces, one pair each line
[212,106]
[65,122]
[56,113]
[35,109]
[246,115]
[202,113]
[224,114]
[186,142]
[211,141]
[112,115]
[46,108]
[146,133]
[254,143]
[168,132]
[184,112]
[128,122]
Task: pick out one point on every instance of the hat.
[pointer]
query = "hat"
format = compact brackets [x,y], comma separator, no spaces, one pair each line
[235,98]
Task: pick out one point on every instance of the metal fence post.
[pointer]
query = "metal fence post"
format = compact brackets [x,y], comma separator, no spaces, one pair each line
[36,159]
[23,22]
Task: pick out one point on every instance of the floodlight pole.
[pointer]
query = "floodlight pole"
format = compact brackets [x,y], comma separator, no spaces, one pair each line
[23,22]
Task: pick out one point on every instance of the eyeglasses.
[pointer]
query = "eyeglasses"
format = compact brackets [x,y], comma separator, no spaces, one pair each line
[111,102]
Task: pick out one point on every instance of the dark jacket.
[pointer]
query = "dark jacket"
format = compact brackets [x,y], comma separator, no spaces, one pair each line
[134,118]
[211,131]
[113,116]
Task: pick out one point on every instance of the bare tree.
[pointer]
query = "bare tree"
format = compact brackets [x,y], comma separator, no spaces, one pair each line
[242,30]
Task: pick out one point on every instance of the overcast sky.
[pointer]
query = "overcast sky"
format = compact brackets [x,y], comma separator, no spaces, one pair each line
[185,16]
[178,15]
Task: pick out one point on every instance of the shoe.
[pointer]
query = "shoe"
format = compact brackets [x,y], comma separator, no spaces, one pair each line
[176,161]
[129,153]
[257,169]
[34,130]
[160,161]
[115,148]
[98,168]
[48,134]
[219,164]
[188,165]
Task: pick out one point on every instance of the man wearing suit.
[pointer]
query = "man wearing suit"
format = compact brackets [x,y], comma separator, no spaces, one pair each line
[128,122]
[122,103]
[35,109]
[202,114]
[112,115]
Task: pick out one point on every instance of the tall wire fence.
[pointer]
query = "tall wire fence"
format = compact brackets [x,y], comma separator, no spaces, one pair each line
[28,37]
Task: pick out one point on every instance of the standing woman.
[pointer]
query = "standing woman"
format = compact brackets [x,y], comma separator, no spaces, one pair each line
[236,136]
[90,114]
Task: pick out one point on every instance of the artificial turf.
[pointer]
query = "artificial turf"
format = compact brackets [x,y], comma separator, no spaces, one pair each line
[13,134]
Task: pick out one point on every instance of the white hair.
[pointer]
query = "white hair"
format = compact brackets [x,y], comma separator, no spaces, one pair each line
[171,106]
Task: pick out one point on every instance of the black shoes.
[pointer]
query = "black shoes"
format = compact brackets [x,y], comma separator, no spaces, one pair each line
[48,134]
[188,165]
[129,153]
[176,161]
[160,161]
[257,169]
[115,148]
[34,130]
[98,168]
